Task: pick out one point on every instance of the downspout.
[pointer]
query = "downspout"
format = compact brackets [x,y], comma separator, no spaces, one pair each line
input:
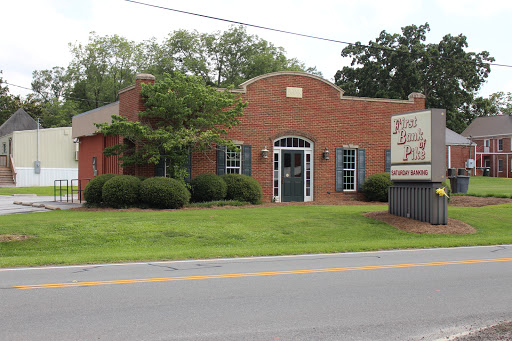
[37,142]
[494,159]
[449,157]
[474,169]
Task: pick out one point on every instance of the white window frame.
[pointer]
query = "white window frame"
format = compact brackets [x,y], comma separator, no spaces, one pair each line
[277,162]
[349,173]
[236,156]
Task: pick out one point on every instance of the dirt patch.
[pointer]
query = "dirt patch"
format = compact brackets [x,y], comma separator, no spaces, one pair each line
[502,331]
[469,201]
[12,237]
[414,226]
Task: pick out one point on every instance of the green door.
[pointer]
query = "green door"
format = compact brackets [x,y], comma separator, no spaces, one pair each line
[292,175]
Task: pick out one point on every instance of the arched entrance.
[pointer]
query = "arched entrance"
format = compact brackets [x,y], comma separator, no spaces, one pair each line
[293,169]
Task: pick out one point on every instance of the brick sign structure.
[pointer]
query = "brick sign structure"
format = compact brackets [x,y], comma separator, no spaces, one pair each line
[418,166]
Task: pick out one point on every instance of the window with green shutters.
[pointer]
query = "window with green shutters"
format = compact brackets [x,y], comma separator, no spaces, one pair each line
[350,169]
[234,162]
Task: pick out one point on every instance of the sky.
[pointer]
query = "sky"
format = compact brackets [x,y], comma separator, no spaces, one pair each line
[36,33]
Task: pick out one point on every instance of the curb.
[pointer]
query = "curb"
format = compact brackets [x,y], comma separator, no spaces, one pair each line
[48,207]
[53,208]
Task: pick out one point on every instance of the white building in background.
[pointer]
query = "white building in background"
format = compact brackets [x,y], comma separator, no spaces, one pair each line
[41,156]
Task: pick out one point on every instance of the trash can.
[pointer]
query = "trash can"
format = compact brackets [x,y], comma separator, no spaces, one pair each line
[453,184]
[487,171]
[462,184]
[451,172]
[461,171]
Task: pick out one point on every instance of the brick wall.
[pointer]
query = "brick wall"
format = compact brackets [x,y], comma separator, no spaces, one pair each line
[459,156]
[130,104]
[494,155]
[319,115]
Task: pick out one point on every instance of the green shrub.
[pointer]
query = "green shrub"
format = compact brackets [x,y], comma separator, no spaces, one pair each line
[208,187]
[376,186]
[242,188]
[160,192]
[121,191]
[94,190]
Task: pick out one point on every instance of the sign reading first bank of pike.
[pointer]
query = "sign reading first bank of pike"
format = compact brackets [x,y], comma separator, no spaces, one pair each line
[418,166]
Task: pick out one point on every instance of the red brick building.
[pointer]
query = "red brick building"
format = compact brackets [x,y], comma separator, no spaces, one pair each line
[493,136]
[299,137]
[458,150]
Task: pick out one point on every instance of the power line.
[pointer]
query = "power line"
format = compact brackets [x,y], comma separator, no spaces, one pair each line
[289,32]
[75,98]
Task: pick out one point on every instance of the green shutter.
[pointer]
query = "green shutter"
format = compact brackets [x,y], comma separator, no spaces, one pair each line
[246,159]
[160,167]
[339,169]
[361,168]
[387,160]
[221,160]
[188,166]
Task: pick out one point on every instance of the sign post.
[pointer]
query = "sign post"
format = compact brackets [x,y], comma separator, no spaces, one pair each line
[418,166]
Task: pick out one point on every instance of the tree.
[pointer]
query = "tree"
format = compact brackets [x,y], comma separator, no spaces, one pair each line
[498,103]
[106,64]
[226,58]
[396,65]
[183,113]
[100,69]
[50,84]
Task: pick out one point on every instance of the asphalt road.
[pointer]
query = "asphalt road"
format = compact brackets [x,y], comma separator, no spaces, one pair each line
[393,295]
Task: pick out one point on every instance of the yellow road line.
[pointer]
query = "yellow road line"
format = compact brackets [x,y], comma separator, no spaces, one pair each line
[257,274]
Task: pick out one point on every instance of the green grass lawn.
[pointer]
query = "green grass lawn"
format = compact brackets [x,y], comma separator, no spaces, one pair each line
[486,186]
[39,191]
[77,237]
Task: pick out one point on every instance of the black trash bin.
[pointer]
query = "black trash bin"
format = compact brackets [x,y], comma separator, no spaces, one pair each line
[453,184]
[487,171]
[462,184]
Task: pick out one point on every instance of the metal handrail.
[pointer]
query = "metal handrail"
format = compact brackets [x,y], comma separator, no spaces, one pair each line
[79,188]
[60,190]
[13,169]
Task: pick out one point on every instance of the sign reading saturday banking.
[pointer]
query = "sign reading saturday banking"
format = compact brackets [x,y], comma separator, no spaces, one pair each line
[417,140]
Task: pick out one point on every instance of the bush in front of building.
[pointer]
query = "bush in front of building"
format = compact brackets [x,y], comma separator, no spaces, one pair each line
[208,187]
[93,192]
[242,188]
[376,187]
[160,192]
[121,191]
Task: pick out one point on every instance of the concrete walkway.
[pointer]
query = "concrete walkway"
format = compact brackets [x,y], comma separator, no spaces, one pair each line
[15,204]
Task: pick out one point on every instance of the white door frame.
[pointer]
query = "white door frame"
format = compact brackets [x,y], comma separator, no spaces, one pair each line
[277,160]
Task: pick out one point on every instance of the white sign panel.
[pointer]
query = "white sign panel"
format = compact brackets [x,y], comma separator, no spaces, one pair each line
[411,138]
[411,172]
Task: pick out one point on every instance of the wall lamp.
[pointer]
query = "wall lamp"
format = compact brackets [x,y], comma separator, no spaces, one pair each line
[325,154]
[264,152]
